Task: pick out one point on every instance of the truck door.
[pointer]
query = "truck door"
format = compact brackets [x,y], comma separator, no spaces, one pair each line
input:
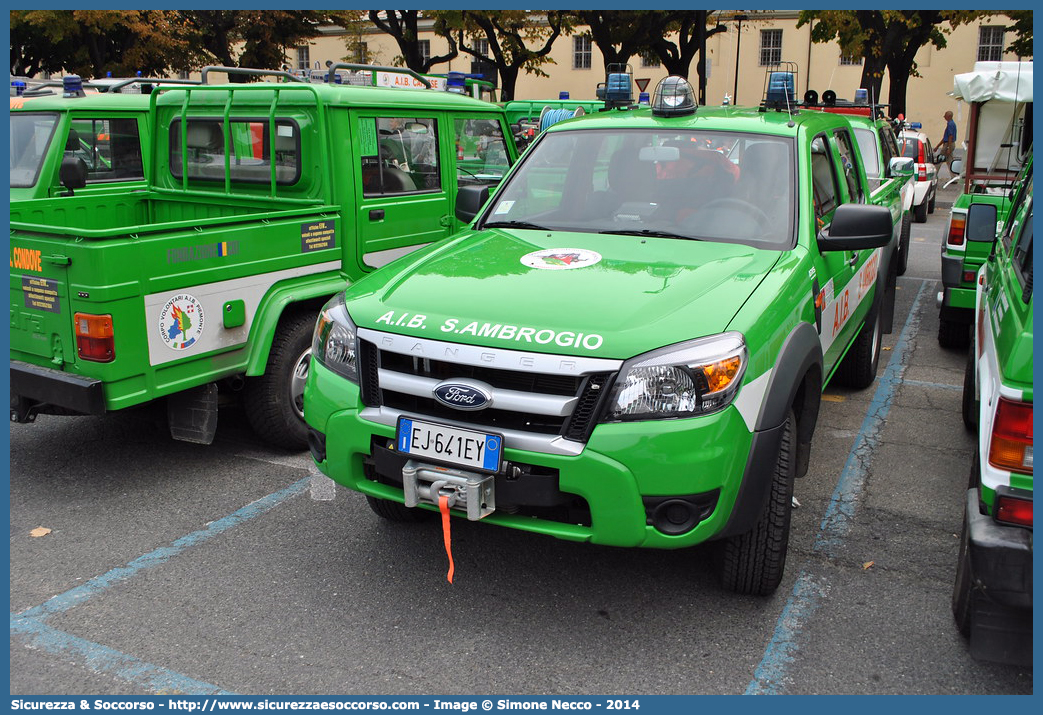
[404,194]
[842,300]
[481,154]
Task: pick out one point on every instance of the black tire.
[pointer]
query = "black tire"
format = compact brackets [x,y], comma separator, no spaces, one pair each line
[963,592]
[858,369]
[920,213]
[930,204]
[969,405]
[753,563]
[396,511]
[273,401]
[903,243]
[953,333]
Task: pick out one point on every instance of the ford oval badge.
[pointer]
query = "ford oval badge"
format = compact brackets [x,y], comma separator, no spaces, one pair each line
[462,396]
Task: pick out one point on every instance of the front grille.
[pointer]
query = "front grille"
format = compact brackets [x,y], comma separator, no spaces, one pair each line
[413,396]
[504,379]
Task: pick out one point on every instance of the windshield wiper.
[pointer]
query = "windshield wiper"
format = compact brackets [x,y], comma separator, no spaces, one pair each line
[651,233]
[514,224]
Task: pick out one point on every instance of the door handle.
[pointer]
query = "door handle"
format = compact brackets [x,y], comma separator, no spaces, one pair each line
[376,215]
[854,258]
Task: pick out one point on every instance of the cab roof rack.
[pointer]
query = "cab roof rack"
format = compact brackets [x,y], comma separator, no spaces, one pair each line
[780,83]
[286,76]
[332,70]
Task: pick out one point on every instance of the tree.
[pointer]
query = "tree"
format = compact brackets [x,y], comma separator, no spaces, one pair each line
[92,43]
[886,39]
[692,31]
[621,34]
[403,25]
[507,33]
[266,35]
[1022,27]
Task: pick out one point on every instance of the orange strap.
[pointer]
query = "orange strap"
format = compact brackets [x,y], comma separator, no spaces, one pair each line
[443,506]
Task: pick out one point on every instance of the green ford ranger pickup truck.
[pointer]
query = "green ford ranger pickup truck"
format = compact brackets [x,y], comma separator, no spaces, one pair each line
[628,344]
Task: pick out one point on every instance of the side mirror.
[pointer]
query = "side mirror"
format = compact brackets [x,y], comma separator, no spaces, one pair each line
[72,174]
[981,223]
[957,166]
[857,226]
[901,166]
[469,201]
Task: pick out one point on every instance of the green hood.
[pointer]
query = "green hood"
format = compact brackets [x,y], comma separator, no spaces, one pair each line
[641,294]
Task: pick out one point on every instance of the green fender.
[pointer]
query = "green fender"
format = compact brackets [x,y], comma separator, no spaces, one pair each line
[308,291]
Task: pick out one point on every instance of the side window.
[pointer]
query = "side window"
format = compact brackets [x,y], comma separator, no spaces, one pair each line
[867,139]
[1023,256]
[849,165]
[824,180]
[399,155]
[888,148]
[1023,196]
[481,151]
[250,150]
[110,148]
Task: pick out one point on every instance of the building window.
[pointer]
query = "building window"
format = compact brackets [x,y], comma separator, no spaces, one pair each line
[303,57]
[581,52]
[990,43]
[482,47]
[425,50]
[649,59]
[771,47]
[850,60]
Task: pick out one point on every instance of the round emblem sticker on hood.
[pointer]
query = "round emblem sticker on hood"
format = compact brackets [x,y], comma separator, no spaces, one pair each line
[560,259]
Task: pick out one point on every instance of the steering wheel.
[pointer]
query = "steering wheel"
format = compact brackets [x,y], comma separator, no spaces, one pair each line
[740,206]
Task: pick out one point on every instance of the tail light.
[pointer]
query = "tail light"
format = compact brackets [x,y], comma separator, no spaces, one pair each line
[95,339]
[1011,447]
[957,229]
[1012,510]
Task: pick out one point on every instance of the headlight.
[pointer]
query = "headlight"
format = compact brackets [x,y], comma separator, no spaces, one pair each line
[693,378]
[335,343]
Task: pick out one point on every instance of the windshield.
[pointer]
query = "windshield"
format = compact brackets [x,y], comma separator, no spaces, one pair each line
[30,136]
[710,186]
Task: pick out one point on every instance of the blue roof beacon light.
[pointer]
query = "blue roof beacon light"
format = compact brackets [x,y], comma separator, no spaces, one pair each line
[780,87]
[72,86]
[673,97]
[17,88]
[617,90]
[563,95]
[456,82]
[642,98]
[915,126]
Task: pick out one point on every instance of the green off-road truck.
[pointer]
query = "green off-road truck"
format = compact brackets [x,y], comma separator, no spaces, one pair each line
[628,344]
[999,150]
[260,202]
[992,598]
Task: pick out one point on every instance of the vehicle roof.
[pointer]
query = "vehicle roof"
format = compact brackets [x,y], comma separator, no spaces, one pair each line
[913,134]
[302,93]
[724,118]
[57,103]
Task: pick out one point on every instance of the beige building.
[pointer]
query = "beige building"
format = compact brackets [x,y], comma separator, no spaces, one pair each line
[736,62]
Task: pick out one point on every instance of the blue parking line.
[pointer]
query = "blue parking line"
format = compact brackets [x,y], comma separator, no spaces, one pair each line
[104,660]
[771,674]
[31,624]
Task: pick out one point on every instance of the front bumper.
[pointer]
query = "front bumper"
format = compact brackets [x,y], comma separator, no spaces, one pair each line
[626,475]
[1000,557]
[33,386]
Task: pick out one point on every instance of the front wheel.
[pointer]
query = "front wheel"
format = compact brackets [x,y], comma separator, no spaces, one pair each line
[752,563]
[903,243]
[274,401]
[858,369]
[920,212]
